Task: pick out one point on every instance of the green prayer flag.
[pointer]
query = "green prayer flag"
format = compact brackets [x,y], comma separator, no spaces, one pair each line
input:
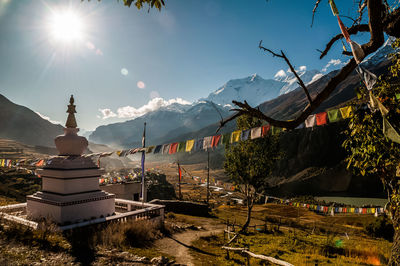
[226,138]
[182,146]
[334,8]
[398,96]
[275,130]
[389,131]
[334,115]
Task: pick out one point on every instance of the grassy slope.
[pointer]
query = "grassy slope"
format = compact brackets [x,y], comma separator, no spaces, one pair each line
[304,238]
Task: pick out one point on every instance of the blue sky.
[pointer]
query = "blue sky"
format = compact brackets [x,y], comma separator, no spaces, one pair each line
[126,57]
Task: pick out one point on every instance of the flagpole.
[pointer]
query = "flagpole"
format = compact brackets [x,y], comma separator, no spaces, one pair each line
[179,181]
[208,175]
[143,159]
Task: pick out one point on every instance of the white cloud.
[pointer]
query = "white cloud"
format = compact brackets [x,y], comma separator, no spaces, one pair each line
[332,62]
[48,119]
[132,112]
[316,77]
[107,113]
[124,71]
[141,85]
[280,74]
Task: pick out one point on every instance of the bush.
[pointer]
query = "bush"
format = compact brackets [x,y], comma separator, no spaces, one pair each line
[381,227]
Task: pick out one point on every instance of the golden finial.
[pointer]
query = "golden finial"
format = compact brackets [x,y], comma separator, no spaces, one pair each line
[71,122]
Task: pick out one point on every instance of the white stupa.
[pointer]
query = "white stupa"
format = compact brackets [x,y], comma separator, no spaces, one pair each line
[70,183]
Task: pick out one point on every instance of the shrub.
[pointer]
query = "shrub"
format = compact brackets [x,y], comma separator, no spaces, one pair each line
[381,227]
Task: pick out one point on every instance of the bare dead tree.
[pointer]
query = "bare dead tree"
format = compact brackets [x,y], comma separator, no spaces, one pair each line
[380,20]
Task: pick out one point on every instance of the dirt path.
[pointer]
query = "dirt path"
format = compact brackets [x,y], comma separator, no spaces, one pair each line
[180,244]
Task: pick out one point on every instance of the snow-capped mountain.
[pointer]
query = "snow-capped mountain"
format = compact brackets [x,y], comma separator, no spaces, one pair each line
[382,53]
[255,90]
[291,81]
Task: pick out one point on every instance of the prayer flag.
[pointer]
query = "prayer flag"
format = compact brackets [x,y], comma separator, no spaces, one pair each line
[150,149]
[173,147]
[321,118]
[334,8]
[118,152]
[346,111]
[40,163]
[179,172]
[244,135]
[256,133]
[131,151]
[344,30]
[275,130]
[235,136]
[165,149]
[215,140]
[398,96]
[181,146]
[357,51]
[2,162]
[300,126]
[189,145]
[226,138]
[367,77]
[265,129]
[389,131]
[376,104]
[207,142]
[310,121]
[334,115]
[157,149]
[198,145]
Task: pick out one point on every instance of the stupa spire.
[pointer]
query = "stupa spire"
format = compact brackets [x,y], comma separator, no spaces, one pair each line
[71,121]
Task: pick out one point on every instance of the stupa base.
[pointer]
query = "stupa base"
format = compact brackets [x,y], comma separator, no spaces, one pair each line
[61,210]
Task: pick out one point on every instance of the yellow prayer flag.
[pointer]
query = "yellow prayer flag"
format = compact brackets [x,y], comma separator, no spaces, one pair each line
[189,145]
[118,152]
[235,136]
[346,111]
[2,162]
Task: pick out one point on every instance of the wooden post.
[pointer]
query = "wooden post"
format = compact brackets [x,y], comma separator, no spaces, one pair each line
[208,176]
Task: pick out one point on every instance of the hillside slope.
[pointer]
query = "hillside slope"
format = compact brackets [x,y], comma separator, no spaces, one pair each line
[21,124]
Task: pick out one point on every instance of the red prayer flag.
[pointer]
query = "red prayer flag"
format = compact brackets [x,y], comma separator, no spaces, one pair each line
[40,163]
[173,147]
[179,172]
[322,118]
[265,129]
[344,30]
[215,140]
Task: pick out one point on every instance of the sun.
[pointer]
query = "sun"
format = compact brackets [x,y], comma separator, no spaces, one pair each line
[66,26]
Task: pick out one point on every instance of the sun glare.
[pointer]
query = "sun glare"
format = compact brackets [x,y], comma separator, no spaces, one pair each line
[66,27]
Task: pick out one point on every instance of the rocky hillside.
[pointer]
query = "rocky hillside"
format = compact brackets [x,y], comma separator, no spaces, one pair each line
[21,124]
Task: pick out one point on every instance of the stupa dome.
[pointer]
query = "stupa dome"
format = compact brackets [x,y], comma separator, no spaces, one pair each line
[70,144]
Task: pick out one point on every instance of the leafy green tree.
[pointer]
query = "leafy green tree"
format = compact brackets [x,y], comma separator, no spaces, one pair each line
[140,3]
[250,162]
[371,152]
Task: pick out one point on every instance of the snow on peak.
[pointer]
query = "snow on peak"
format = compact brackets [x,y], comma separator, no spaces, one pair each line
[291,81]
[253,77]
[254,89]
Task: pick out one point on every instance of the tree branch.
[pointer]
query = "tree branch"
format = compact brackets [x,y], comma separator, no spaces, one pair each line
[379,22]
[314,10]
[282,55]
